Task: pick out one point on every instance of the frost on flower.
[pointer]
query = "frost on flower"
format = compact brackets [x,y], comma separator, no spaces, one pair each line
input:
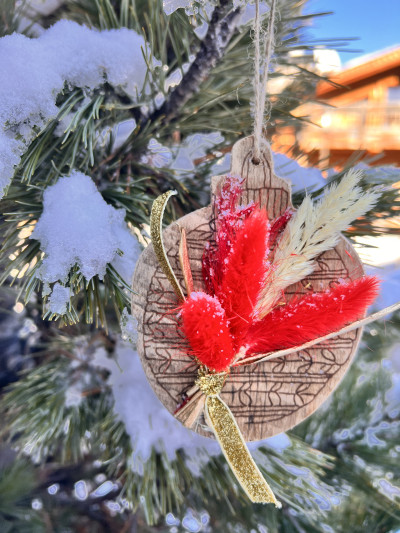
[77,227]
[35,71]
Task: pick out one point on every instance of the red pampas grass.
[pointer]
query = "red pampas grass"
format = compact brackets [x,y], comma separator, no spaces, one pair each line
[207,329]
[243,274]
[222,321]
[312,316]
[278,225]
[230,217]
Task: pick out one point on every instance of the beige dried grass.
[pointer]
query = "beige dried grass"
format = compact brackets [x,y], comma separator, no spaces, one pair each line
[313,229]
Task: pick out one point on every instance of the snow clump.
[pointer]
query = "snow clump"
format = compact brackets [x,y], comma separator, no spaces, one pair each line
[77,227]
[35,71]
[59,299]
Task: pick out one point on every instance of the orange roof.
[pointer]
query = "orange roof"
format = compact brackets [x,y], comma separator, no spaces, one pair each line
[376,65]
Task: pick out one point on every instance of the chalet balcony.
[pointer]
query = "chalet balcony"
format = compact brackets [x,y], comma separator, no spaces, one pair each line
[368,127]
[359,110]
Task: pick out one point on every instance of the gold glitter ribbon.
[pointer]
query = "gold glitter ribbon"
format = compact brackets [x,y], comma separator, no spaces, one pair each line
[156,216]
[217,414]
[220,419]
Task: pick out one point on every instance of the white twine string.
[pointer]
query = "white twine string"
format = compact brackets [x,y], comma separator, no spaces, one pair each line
[261,68]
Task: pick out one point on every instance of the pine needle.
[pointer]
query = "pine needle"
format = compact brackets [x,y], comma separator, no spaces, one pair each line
[314,229]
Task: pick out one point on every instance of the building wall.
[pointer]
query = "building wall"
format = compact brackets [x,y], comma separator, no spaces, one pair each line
[362,114]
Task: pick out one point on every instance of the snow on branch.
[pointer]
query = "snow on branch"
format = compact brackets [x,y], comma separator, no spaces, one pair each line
[35,71]
[77,227]
[190,6]
[151,426]
[222,25]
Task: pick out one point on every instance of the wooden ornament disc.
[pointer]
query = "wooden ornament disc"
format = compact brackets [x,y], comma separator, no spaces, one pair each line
[265,398]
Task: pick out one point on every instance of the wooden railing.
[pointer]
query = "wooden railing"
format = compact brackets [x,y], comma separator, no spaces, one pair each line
[367,127]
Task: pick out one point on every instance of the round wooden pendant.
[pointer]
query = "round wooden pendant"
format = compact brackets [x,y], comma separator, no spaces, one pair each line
[265,398]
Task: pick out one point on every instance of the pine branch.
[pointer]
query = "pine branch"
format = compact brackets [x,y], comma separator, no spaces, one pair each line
[220,31]
[10,15]
[221,28]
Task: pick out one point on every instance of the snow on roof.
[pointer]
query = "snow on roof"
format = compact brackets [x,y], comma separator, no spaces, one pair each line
[366,58]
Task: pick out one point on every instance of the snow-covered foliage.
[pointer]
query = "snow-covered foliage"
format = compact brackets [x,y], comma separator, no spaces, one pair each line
[147,421]
[194,147]
[10,154]
[35,71]
[157,155]
[128,325]
[77,227]
[59,299]
[172,5]
[184,157]
[73,395]
[44,7]
[190,6]
[300,177]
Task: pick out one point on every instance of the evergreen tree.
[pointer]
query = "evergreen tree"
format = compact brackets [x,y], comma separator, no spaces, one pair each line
[167,124]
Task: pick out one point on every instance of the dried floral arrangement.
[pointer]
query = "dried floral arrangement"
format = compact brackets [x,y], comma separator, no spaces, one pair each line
[244,311]
[243,314]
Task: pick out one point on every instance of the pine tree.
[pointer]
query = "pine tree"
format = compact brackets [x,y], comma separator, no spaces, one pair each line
[74,469]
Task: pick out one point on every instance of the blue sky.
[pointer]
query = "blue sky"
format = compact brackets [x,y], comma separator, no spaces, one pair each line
[376,23]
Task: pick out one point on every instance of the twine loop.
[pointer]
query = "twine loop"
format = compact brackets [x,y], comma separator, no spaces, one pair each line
[261,68]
